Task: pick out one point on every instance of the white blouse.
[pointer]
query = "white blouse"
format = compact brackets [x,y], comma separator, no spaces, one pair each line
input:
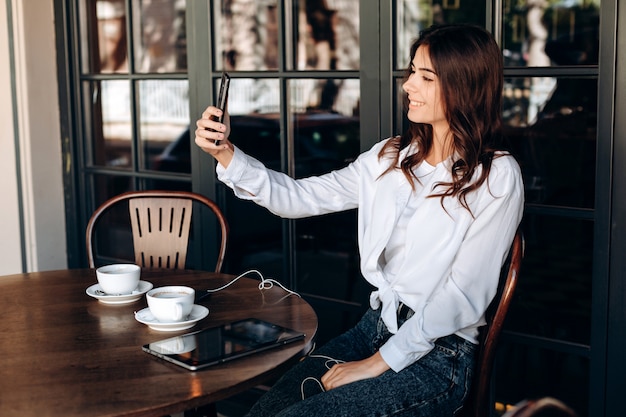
[447,267]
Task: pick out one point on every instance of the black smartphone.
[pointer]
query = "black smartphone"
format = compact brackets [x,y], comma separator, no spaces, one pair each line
[222,98]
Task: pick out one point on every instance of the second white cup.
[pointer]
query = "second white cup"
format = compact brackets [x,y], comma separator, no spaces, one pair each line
[172,303]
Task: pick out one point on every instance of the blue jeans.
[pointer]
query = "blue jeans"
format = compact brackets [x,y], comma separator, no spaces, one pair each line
[435,385]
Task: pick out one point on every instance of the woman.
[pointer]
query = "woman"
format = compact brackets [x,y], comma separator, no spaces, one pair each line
[437,211]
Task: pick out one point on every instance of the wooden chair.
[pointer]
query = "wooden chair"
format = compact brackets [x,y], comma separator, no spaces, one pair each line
[160,223]
[477,405]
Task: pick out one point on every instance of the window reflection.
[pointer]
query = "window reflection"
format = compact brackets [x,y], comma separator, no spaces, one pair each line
[551,124]
[548,33]
[414,16]
[246,35]
[113,239]
[159,37]
[161,43]
[536,371]
[106,49]
[326,124]
[254,105]
[326,136]
[164,118]
[554,297]
[327,35]
[111,126]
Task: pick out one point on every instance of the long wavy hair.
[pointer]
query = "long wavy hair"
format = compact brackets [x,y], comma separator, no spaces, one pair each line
[469,64]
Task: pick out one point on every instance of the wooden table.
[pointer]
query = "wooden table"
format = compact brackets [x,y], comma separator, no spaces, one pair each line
[64,353]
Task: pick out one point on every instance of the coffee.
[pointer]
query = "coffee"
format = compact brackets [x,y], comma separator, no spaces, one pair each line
[171,304]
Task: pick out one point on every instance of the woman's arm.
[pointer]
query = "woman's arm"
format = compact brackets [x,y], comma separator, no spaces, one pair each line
[345,373]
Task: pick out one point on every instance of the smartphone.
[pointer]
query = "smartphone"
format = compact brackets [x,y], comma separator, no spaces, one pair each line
[222,98]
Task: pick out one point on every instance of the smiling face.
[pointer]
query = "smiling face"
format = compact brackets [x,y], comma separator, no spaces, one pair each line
[424,93]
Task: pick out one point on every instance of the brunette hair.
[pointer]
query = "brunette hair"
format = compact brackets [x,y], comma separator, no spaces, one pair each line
[469,64]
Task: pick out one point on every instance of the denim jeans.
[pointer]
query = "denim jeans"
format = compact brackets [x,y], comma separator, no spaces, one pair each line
[435,385]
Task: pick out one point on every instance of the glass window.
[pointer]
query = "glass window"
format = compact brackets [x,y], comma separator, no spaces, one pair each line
[327,35]
[164,116]
[246,35]
[254,109]
[106,49]
[553,297]
[147,115]
[110,116]
[551,125]
[160,43]
[326,136]
[551,33]
[413,16]
[325,115]
[524,372]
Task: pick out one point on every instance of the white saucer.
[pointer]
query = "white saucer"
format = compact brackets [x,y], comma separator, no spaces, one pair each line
[197,313]
[96,292]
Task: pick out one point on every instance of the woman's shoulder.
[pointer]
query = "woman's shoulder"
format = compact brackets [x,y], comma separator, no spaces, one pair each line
[504,160]
[505,171]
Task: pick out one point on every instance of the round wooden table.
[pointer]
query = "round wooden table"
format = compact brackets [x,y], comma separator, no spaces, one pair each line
[64,353]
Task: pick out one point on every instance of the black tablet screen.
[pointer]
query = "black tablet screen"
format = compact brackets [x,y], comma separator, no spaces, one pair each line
[211,346]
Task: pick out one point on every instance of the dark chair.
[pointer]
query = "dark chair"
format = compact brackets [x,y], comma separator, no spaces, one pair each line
[477,405]
[160,223]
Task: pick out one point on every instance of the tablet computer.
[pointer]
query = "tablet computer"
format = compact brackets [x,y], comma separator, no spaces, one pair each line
[203,348]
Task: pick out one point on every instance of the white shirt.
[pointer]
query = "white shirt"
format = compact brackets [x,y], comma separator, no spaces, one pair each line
[448,268]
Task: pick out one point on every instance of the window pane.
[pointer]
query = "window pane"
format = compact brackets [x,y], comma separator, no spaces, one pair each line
[113,240]
[542,34]
[524,372]
[110,122]
[413,16]
[325,115]
[165,137]
[553,297]
[326,136]
[253,105]
[551,123]
[163,184]
[327,35]
[105,31]
[160,41]
[246,37]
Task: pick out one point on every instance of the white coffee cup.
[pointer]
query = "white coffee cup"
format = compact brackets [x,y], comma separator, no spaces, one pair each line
[117,279]
[172,303]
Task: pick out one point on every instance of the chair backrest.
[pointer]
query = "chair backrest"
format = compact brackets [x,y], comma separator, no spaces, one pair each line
[477,404]
[160,223]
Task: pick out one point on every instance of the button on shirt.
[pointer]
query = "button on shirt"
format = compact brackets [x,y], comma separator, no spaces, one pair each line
[435,256]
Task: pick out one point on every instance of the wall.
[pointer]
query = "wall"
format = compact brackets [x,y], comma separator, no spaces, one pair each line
[32,216]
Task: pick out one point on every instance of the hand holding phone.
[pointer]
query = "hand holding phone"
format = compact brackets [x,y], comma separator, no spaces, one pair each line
[222,99]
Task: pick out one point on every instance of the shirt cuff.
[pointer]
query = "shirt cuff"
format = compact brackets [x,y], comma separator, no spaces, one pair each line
[236,168]
[394,357]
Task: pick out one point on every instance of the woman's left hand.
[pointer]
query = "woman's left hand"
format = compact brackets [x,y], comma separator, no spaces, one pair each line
[345,373]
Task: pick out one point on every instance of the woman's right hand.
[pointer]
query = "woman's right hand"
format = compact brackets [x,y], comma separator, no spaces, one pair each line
[212,136]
